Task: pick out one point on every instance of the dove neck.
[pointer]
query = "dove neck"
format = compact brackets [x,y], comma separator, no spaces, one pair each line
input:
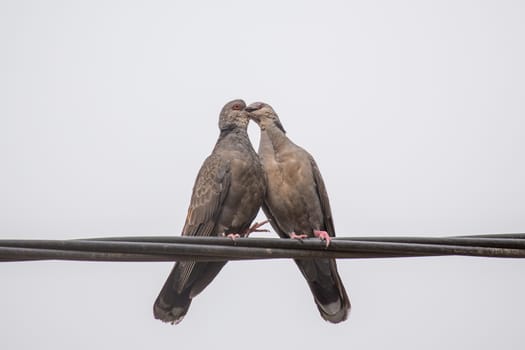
[274,137]
[235,135]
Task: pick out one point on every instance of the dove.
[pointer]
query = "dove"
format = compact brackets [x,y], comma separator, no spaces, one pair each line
[227,194]
[297,206]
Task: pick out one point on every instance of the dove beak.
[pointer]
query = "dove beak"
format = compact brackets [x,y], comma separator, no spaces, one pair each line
[254,117]
[253,107]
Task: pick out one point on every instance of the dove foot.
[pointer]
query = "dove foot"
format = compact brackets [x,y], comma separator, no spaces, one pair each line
[323,236]
[233,236]
[293,235]
[255,228]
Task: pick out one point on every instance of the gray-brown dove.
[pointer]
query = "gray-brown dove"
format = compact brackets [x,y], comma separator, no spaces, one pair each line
[227,195]
[297,205]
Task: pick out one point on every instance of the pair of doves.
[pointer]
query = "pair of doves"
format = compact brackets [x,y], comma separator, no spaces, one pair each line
[232,184]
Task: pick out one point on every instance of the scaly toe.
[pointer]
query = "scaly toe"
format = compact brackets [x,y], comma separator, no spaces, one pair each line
[293,235]
[255,228]
[324,236]
[233,236]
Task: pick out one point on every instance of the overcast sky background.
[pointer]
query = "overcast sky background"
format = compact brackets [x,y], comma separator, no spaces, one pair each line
[414,110]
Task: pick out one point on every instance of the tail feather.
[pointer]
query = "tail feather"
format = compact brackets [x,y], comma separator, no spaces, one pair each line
[327,288]
[181,287]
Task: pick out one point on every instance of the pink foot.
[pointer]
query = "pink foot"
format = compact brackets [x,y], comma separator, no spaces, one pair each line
[255,228]
[233,236]
[295,236]
[324,236]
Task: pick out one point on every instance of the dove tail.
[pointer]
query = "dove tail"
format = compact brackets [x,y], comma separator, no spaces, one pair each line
[186,280]
[327,288]
[171,305]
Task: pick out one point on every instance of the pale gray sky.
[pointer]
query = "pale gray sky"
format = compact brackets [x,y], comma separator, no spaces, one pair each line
[414,110]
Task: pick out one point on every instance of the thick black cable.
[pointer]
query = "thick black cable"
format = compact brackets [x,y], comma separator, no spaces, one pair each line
[213,248]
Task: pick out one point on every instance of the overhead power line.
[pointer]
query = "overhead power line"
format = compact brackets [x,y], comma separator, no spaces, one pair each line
[214,248]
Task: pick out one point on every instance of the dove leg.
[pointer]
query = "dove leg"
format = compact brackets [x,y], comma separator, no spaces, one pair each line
[323,236]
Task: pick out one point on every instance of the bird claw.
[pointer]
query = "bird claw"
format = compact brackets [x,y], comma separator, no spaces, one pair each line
[323,236]
[293,235]
[255,228]
[246,233]
[233,236]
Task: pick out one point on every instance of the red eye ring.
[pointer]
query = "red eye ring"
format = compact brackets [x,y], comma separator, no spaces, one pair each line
[236,107]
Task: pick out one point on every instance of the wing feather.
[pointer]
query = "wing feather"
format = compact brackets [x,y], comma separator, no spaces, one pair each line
[209,192]
[323,198]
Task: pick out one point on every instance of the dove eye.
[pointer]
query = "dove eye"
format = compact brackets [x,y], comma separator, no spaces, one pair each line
[236,107]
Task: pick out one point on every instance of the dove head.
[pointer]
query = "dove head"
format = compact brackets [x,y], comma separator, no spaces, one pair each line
[233,116]
[264,115]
